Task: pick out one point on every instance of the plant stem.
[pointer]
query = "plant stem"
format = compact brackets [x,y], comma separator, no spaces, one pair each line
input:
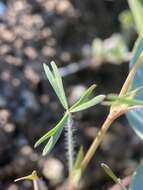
[121,185]
[91,151]
[35,184]
[114,113]
[131,75]
[70,143]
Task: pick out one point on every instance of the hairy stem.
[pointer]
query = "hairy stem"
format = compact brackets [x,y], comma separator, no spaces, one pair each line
[70,143]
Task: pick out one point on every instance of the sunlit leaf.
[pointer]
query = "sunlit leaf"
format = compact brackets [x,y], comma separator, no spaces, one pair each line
[137,179]
[52,131]
[88,104]
[52,141]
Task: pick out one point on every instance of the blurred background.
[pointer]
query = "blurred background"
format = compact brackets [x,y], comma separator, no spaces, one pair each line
[90,40]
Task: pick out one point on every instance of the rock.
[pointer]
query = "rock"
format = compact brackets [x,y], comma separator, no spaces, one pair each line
[4,116]
[31,75]
[13,187]
[53,170]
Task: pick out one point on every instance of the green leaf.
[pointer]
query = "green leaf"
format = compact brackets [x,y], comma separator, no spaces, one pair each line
[52,131]
[50,77]
[88,104]
[76,173]
[55,82]
[59,85]
[115,99]
[111,174]
[79,158]
[84,98]
[137,179]
[137,10]
[52,141]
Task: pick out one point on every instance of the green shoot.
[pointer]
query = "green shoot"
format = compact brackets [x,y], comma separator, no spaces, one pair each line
[83,103]
[111,174]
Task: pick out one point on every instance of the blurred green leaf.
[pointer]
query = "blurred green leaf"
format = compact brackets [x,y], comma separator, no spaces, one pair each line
[137,179]
[84,98]
[137,10]
[52,141]
[88,104]
[52,131]
[112,49]
[126,19]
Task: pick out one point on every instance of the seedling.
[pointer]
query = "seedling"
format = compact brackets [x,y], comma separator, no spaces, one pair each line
[83,103]
[129,98]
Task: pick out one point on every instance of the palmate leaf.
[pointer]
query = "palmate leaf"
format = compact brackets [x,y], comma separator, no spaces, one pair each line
[52,131]
[56,82]
[88,104]
[137,179]
[135,117]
